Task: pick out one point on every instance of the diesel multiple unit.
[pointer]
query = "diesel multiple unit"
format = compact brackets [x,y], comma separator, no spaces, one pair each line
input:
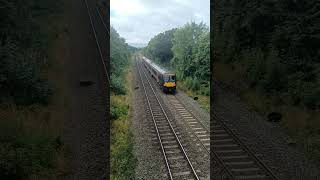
[165,79]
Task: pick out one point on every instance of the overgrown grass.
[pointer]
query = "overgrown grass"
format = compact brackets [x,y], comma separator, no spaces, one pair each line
[123,161]
[203,97]
[29,145]
[300,123]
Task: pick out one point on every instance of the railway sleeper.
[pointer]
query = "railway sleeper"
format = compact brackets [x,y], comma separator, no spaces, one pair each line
[246,170]
[175,158]
[184,174]
[169,142]
[234,157]
[258,176]
[171,146]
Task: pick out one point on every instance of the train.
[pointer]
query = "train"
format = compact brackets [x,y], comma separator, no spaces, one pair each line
[166,79]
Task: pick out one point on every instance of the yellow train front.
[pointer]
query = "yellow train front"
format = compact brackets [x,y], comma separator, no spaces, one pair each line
[165,79]
[168,82]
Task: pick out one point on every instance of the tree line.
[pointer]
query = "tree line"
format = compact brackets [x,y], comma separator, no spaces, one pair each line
[120,53]
[187,51]
[276,42]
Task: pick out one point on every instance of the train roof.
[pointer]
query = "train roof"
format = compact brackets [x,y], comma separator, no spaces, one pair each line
[161,70]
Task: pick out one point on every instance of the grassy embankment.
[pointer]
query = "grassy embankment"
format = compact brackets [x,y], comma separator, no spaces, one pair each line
[203,100]
[30,144]
[122,158]
[300,123]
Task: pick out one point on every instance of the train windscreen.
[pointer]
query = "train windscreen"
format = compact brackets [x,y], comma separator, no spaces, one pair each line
[169,78]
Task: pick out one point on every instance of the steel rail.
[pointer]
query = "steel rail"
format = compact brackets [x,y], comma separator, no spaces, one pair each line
[162,109]
[104,24]
[97,43]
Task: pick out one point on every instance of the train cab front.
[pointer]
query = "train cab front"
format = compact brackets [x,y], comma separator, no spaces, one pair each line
[169,85]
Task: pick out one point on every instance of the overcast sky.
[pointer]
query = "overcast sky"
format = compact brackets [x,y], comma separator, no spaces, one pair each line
[139,20]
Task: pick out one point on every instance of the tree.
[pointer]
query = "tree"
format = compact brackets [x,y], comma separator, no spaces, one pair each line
[185,42]
[159,47]
[119,59]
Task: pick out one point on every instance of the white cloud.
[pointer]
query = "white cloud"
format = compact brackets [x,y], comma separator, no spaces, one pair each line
[139,20]
[127,7]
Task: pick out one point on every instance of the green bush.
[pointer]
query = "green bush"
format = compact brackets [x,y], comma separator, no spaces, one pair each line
[188,81]
[274,79]
[195,84]
[122,159]
[23,50]
[311,96]
[25,156]
[205,90]
[117,85]
[118,110]
[26,87]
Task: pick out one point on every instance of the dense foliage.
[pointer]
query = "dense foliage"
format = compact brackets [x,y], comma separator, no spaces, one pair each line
[119,59]
[191,49]
[188,51]
[25,150]
[159,47]
[277,42]
[23,50]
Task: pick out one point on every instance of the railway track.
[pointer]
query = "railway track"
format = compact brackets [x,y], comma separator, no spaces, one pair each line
[177,162]
[235,155]
[102,64]
[232,158]
[198,130]
[201,134]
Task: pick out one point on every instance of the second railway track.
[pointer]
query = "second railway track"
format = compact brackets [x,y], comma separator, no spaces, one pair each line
[240,161]
[201,135]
